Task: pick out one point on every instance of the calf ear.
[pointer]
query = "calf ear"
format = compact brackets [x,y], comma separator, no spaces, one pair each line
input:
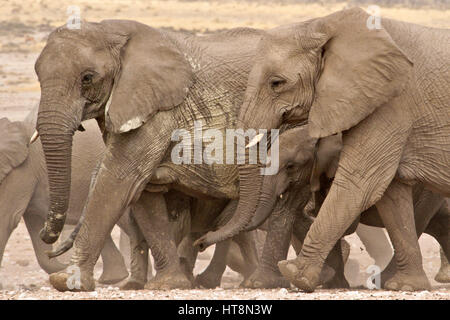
[154,76]
[326,159]
[362,69]
[13,146]
[296,146]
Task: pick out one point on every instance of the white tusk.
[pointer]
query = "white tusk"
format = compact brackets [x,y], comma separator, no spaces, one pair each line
[34,137]
[255,140]
[281,196]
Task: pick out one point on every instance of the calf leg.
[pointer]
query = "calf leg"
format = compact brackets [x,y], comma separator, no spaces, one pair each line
[153,221]
[212,275]
[114,269]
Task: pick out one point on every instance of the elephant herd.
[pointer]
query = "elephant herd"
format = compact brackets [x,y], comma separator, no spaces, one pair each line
[357,120]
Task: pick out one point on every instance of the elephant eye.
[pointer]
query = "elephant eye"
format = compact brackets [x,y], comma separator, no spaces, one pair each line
[276,83]
[87,79]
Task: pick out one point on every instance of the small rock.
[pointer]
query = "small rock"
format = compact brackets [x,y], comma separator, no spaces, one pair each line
[283,291]
[23,262]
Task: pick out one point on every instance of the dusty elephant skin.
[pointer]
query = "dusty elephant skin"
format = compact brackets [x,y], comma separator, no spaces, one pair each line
[122,74]
[23,191]
[386,90]
[187,221]
[297,153]
[284,197]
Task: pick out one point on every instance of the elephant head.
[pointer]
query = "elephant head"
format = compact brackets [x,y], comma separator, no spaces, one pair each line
[119,72]
[303,161]
[296,156]
[333,72]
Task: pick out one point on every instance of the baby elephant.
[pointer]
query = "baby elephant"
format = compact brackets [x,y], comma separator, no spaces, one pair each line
[303,160]
[24,190]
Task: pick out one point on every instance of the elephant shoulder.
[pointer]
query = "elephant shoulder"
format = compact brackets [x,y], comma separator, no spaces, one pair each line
[13,146]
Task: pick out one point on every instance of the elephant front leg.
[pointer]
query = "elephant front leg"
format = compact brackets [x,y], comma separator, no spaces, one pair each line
[108,198]
[276,246]
[397,213]
[153,220]
[114,269]
[368,162]
[211,277]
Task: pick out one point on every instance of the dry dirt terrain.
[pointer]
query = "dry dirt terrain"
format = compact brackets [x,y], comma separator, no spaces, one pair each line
[24,27]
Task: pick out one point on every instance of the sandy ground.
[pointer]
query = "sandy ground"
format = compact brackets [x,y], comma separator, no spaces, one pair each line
[22,278]
[23,30]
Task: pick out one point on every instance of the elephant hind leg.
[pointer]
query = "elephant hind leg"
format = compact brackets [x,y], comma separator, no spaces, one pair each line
[397,213]
[211,277]
[443,275]
[114,269]
[438,228]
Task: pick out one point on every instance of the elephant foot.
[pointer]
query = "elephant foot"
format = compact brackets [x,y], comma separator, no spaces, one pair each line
[208,280]
[388,272]
[168,280]
[443,276]
[113,275]
[265,279]
[75,281]
[408,282]
[300,273]
[132,284]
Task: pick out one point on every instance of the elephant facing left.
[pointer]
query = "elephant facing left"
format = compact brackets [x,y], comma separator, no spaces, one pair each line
[24,191]
[141,84]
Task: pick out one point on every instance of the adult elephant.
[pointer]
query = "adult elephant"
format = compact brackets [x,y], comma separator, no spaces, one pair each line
[302,161]
[141,84]
[24,191]
[386,90]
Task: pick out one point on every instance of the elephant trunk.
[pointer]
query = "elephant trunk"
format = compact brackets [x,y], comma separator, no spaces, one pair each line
[250,183]
[266,203]
[56,132]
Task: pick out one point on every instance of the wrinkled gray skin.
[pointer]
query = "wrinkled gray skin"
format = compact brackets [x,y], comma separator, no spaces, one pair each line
[386,91]
[284,198]
[154,82]
[187,221]
[24,191]
[297,153]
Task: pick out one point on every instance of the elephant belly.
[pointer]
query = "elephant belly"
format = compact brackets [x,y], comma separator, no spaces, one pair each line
[426,157]
[199,181]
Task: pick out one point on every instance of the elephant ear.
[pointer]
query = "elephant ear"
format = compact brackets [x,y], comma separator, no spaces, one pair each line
[326,159]
[362,69]
[13,146]
[154,76]
[296,146]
